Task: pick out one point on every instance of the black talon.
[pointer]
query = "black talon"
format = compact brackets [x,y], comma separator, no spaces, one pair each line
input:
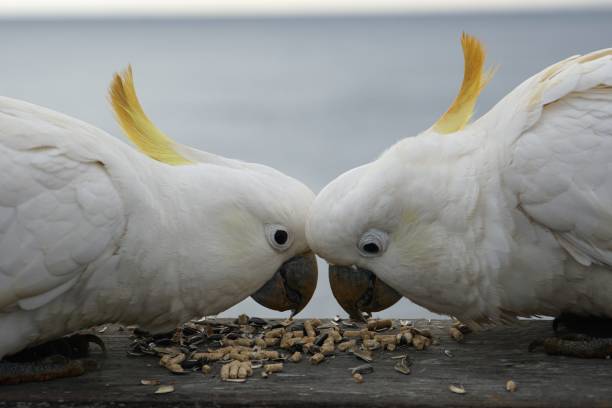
[98,341]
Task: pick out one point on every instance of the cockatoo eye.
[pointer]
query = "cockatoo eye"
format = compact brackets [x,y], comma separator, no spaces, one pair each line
[279,237]
[373,243]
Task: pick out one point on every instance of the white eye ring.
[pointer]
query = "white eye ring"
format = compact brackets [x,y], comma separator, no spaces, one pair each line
[373,243]
[279,237]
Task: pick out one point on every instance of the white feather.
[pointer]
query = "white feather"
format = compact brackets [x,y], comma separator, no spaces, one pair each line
[92,231]
[511,216]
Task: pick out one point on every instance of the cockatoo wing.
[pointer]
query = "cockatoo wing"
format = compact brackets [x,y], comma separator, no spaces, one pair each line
[557,130]
[59,210]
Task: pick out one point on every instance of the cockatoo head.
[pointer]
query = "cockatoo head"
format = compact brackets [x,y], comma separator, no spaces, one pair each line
[379,225]
[247,220]
[268,224]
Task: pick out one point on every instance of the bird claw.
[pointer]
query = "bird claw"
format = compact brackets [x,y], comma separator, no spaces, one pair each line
[44,370]
[60,358]
[72,347]
[83,341]
[574,345]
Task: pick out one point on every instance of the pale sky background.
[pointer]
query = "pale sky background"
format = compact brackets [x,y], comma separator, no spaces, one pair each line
[97,8]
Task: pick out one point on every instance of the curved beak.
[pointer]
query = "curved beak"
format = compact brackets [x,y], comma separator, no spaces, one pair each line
[359,290]
[292,285]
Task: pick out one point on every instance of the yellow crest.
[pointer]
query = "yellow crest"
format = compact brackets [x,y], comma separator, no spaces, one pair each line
[474,81]
[135,123]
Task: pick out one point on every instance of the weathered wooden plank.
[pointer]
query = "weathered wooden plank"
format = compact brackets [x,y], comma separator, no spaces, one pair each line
[482,365]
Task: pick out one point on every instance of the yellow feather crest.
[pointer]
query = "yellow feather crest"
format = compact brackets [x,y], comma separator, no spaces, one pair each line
[474,81]
[135,123]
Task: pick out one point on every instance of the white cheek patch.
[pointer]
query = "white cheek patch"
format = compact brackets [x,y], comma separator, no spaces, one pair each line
[239,231]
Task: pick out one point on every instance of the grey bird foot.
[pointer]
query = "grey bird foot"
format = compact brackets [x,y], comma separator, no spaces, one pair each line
[65,357]
[575,346]
[578,336]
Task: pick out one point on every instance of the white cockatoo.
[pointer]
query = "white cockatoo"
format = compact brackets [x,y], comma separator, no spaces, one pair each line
[94,231]
[508,216]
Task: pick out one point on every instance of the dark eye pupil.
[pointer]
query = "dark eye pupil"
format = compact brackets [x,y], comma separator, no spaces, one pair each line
[281,237]
[371,248]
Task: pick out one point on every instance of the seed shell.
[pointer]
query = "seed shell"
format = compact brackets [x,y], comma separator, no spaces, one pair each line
[403,366]
[457,389]
[164,389]
[511,386]
[363,355]
[362,369]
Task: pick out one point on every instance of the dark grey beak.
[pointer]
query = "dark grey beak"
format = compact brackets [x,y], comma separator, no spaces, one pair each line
[292,285]
[359,290]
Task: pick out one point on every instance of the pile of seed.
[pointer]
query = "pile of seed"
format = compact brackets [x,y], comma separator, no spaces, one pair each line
[247,344]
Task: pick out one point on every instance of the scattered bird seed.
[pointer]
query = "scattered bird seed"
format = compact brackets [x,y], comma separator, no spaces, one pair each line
[420,342]
[164,389]
[456,334]
[347,345]
[511,386]
[296,357]
[358,378]
[403,366]
[150,382]
[457,389]
[363,355]
[247,343]
[243,320]
[273,368]
[286,323]
[310,326]
[317,358]
[362,369]
[374,324]
[448,353]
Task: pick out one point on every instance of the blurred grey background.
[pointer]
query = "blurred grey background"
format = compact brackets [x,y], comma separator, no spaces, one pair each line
[311,94]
